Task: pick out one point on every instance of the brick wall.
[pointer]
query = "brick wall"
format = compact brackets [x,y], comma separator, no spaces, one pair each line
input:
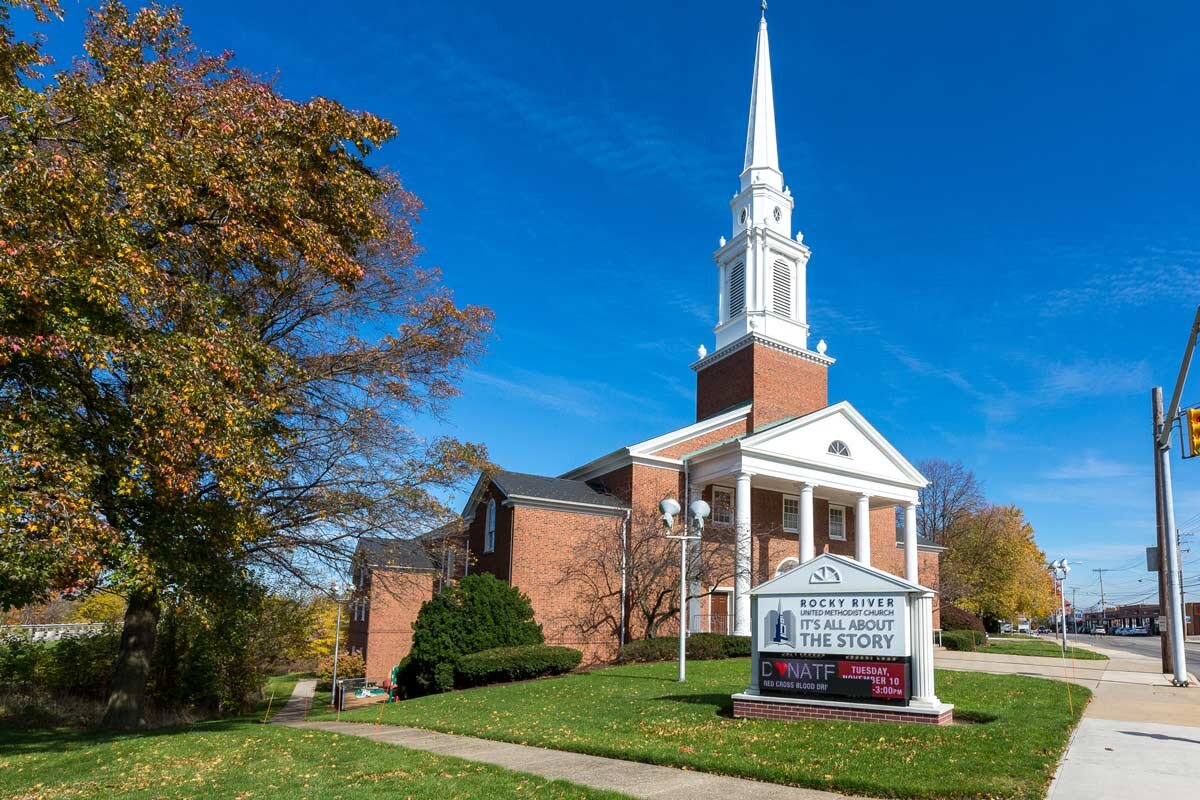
[498,561]
[557,562]
[780,385]
[395,598]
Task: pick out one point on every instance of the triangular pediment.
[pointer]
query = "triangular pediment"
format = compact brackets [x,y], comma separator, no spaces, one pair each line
[809,439]
[830,574]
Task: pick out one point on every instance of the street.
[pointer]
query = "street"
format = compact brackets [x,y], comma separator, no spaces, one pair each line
[1141,645]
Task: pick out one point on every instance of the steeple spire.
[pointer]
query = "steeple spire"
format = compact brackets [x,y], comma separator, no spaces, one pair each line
[762,154]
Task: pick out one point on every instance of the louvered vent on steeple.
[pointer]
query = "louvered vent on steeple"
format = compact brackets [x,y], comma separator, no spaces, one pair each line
[781,288]
[737,289]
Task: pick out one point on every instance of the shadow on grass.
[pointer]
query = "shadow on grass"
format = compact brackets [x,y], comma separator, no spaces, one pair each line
[18,738]
[606,674]
[722,703]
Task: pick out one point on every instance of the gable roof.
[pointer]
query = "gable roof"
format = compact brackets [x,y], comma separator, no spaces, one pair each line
[644,452]
[852,576]
[398,553]
[523,488]
[761,439]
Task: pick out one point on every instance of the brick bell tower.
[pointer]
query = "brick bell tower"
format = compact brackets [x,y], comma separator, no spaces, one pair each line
[762,350]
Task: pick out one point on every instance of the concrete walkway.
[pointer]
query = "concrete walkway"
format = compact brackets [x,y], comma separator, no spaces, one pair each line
[627,777]
[1140,736]
[296,708]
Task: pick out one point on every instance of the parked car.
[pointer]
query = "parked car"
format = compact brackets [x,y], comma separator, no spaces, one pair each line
[1138,630]
[1043,629]
[1100,630]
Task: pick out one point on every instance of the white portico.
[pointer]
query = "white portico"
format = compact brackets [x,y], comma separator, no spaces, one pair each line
[833,454]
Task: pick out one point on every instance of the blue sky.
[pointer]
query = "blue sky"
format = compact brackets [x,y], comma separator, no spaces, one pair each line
[1001,204]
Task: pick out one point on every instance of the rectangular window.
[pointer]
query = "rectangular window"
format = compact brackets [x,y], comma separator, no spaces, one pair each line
[722,505]
[489,528]
[837,522]
[791,513]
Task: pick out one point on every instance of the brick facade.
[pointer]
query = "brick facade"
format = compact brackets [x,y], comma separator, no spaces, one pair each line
[779,384]
[769,709]
[384,636]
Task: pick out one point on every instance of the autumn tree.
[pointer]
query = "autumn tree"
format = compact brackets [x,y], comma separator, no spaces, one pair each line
[952,492]
[993,567]
[644,564]
[214,333]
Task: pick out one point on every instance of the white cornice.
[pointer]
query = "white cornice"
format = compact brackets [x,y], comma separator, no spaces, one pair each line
[617,459]
[757,338]
[564,505]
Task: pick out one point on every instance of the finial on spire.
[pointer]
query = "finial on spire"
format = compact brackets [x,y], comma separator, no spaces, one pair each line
[764,8]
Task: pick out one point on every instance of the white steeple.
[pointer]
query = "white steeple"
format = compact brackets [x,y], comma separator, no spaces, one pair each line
[762,154]
[763,266]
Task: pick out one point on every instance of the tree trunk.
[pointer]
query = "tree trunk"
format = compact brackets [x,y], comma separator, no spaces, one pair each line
[127,703]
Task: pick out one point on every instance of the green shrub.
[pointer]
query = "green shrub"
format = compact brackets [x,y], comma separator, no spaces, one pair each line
[478,613]
[21,662]
[700,646]
[515,664]
[703,646]
[964,640]
[959,619]
[660,649]
[82,665]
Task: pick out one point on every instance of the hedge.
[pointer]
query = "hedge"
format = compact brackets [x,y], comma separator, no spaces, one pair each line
[963,640]
[501,664]
[959,619]
[700,646]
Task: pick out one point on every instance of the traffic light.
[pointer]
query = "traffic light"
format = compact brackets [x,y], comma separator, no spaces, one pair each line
[1192,430]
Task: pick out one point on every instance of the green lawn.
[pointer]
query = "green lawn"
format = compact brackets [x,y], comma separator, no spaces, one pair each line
[639,712]
[244,759]
[1040,647]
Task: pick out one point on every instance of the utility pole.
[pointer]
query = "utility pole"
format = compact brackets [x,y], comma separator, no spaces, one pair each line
[1166,653]
[1074,618]
[1163,444]
[1103,608]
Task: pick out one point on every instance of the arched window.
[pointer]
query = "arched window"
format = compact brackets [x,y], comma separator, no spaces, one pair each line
[489,528]
[789,563]
[838,448]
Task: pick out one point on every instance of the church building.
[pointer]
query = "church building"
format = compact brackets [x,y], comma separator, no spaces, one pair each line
[787,474]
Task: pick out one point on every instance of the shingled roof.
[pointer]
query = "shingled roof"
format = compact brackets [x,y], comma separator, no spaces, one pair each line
[399,553]
[522,484]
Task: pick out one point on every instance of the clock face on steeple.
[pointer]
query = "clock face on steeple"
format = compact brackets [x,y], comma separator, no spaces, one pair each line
[742,217]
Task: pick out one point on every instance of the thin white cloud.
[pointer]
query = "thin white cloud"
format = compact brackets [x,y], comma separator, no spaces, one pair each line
[1089,468]
[1154,274]
[1065,381]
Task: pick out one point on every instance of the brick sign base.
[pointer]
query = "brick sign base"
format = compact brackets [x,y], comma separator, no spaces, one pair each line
[763,708]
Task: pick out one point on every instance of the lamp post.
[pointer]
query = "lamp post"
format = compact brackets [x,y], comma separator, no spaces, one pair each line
[1060,569]
[700,511]
[335,589]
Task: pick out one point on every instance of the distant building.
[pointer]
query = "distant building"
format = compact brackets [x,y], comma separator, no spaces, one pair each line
[787,474]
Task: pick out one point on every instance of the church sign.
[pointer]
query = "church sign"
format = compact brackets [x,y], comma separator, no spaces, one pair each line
[836,633]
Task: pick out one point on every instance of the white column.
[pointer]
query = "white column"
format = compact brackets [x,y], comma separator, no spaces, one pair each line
[910,544]
[921,619]
[807,548]
[741,557]
[862,529]
[694,568]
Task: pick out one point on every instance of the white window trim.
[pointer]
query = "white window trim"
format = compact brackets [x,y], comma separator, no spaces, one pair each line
[841,538]
[727,490]
[489,528]
[832,452]
[783,521]
[790,560]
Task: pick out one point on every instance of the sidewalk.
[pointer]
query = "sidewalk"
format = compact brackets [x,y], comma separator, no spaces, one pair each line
[1138,736]
[627,777]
